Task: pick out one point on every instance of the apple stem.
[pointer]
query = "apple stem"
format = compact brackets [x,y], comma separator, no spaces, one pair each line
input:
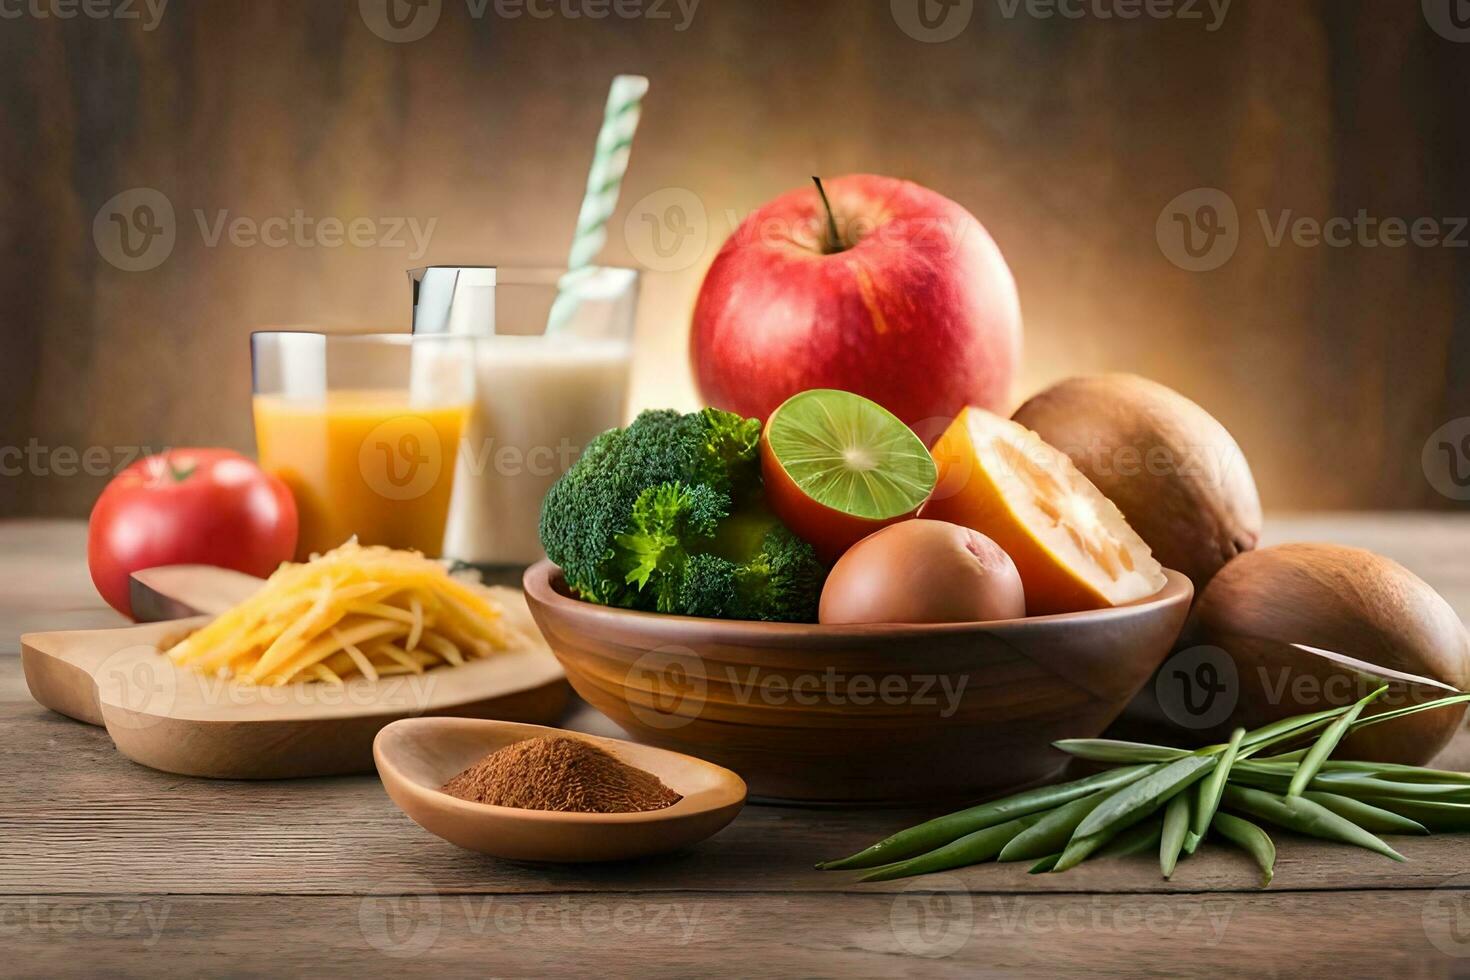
[835,244]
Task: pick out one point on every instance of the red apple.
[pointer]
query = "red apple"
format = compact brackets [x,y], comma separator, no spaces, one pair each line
[900,296]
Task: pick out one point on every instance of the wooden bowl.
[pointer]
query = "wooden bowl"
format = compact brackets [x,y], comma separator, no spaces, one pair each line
[418,755]
[875,713]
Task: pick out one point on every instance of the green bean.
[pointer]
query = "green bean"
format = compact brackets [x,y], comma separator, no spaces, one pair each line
[1251,839]
[1044,865]
[1366,815]
[974,848]
[1326,743]
[1305,817]
[1246,775]
[1128,837]
[1137,839]
[1115,812]
[1051,833]
[1432,814]
[1171,841]
[1209,792]
[1408,774]
[1146,794]
[951,827]
[1079,849]
[1352,784]
[1112,750]
[1412,709]
[1286,728]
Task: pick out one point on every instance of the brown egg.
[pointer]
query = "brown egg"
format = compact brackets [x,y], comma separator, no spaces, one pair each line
[923,572]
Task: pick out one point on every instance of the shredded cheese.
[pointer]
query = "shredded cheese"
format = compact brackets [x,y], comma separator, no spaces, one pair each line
[354,611]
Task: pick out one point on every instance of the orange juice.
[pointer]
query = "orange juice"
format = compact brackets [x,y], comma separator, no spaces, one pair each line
[366,462]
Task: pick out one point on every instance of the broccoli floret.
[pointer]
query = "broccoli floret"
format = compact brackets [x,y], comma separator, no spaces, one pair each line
[666,515]
[780,580]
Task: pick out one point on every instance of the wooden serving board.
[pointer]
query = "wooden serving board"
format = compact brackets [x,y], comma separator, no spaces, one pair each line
[181,721]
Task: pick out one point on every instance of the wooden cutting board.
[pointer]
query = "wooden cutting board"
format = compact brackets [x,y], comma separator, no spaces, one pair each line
[181,721]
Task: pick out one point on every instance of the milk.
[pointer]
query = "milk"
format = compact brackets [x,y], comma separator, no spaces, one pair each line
[538,402]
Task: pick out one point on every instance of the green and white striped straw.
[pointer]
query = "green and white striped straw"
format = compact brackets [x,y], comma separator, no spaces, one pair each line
[604,183]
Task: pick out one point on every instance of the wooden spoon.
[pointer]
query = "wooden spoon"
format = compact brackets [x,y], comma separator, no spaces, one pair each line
[416,756]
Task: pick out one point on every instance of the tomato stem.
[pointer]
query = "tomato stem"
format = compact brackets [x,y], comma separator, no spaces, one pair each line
[179,474]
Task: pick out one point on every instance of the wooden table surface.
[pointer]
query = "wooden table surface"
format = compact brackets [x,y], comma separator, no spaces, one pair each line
[113,868]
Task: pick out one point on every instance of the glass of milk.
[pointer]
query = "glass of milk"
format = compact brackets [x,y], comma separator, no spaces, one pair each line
[539,400]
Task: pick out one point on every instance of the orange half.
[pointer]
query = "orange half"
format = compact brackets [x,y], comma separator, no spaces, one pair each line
[1071,544]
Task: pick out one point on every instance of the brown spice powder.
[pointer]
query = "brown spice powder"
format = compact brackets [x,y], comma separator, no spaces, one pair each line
[560,773]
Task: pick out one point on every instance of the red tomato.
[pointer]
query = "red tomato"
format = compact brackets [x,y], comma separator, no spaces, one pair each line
[188,507]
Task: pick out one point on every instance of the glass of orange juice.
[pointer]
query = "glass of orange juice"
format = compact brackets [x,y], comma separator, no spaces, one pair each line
[364,429]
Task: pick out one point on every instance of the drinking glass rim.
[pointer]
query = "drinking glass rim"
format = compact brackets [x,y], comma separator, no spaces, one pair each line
[538,275]
[375,336]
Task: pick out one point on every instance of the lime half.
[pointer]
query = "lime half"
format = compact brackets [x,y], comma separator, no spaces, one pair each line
[851,454]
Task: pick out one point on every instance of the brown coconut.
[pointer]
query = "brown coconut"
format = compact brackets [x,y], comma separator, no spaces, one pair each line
[1391,625]
[1172,469]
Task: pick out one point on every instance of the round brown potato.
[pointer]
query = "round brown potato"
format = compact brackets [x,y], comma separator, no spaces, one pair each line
[923,572]
[1173,470]
[1350,602]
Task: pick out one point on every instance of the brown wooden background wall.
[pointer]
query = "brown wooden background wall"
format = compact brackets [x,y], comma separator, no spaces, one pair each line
[1067,137]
